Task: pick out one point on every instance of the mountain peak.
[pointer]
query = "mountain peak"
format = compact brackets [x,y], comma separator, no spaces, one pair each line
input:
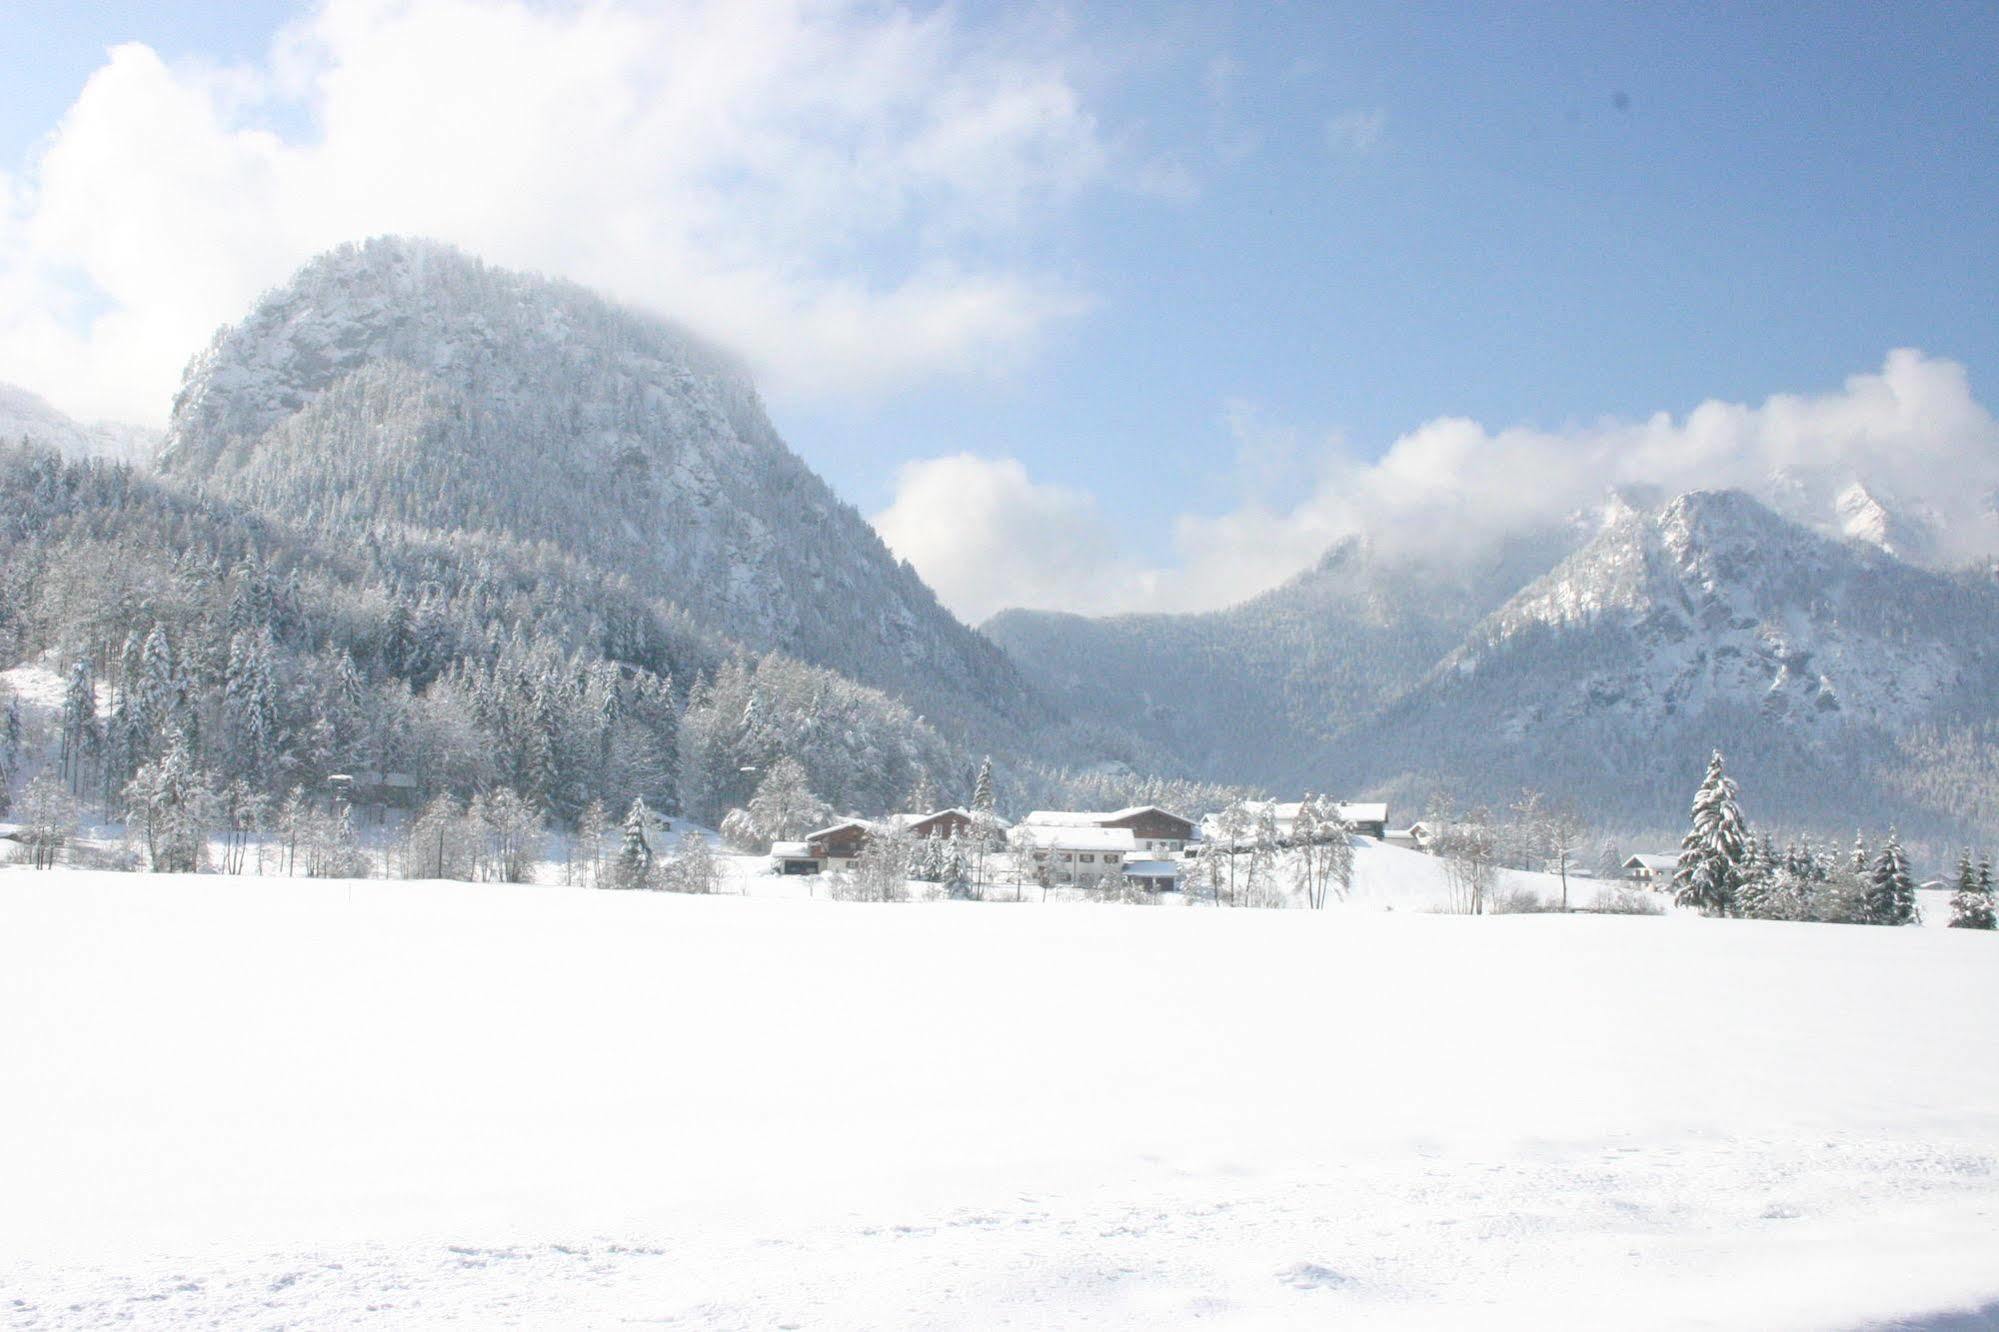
[401,382]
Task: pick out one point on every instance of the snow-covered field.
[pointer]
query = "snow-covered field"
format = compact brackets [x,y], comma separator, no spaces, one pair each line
[271,1103]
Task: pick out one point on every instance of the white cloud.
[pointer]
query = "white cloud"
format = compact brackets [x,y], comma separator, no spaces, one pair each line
[843,191]
[1358,131]
[1913,432]
[986,536]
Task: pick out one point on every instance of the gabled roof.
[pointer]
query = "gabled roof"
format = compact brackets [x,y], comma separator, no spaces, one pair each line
[865,825]
[1655,863]
[1068,837]
[1079,818]
[791,850]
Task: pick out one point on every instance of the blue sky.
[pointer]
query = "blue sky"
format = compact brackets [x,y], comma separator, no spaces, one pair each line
[1315,227]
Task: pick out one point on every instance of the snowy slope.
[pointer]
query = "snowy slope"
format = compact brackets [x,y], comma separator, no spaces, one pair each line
[332,1105]
[1709,621]
[403,383]
[24,415]
[1253,693]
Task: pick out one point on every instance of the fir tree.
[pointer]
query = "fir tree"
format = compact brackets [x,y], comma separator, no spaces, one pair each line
[1891,892]
[1716,847]
[1971,906]
[635,856]
[982,790]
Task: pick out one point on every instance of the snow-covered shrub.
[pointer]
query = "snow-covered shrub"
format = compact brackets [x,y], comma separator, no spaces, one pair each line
[1521,902]
[1618,900]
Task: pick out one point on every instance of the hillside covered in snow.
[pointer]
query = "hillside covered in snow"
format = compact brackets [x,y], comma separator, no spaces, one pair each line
[26,417]
[1600,663]
[401,385]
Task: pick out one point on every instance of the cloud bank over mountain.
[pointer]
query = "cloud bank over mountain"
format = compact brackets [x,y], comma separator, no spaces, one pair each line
[1912,436]
[838,191]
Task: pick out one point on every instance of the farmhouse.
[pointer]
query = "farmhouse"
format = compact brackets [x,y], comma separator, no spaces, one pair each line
[839,845]
[1151,828]
[1651,871]
[942,823]
[1366,819]
[1078,846]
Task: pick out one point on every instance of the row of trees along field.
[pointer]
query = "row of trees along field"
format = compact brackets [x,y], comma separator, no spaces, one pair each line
[1726,870]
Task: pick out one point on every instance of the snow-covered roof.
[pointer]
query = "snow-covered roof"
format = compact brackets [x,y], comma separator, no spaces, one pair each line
[1151,869]
[1064,837]
[791,850]
[1657,864]
[1286,811]
[1081,818]
[864,825]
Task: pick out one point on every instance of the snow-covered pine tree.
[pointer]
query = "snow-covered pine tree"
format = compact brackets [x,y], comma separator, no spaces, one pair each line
[923,796]
[1716,847]
[1971,905]
[1891,893]
[634,862]
[982,789]
[1759,872]
[79,723]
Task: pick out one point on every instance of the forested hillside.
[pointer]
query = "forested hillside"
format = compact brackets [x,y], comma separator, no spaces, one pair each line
[276,659]
[402,388]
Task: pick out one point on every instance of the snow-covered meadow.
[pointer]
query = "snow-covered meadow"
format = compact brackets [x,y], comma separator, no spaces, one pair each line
[242,1102]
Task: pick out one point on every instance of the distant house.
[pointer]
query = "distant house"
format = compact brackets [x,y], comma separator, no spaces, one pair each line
[941,823]
[1158,876]
[1366,819]
[1416,837]
[839,845]
[1140,842]
[379,790]
[1651,871]
[794,858]
[1151,828]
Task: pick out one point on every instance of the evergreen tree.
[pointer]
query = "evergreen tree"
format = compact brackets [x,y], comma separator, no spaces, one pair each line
[1971,906]
[1716,848]
[80,736]
[634,863]
[1754,897]
[1891,892]
[982,789]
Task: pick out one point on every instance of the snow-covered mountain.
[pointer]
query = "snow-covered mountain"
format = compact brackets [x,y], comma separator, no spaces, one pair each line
[1600,661]
[1821,665]
[1253,693]
[25,415]
[402,383]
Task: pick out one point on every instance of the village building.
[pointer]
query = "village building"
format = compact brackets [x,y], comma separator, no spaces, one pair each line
[839,845]
[1368,819]
[793,858]
[1151,828]
[1140,843]
[1651,871]
[1416,837]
